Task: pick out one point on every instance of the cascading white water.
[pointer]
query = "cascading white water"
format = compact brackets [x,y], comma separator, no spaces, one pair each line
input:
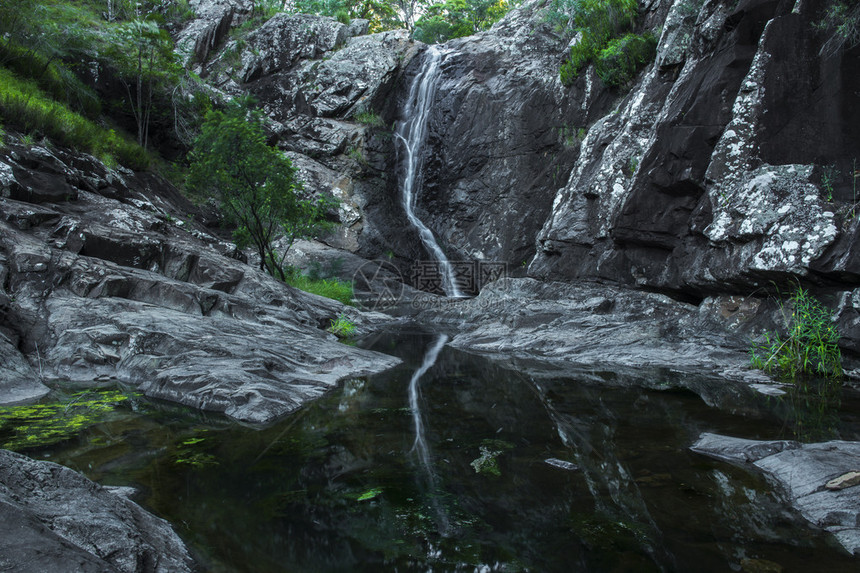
[412,133]
[420,447]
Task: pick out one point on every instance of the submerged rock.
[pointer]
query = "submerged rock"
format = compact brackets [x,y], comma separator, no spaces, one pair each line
[804,473]
[55,519]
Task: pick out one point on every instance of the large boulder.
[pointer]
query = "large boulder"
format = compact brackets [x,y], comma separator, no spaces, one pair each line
[55,519]
[818,480]
[120,284]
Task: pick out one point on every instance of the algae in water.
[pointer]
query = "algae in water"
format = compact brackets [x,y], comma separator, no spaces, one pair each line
[37,425]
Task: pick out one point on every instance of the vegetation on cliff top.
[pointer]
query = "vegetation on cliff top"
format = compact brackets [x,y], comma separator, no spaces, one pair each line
[606,39]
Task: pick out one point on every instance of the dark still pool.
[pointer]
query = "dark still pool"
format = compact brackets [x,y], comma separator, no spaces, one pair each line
[453,462]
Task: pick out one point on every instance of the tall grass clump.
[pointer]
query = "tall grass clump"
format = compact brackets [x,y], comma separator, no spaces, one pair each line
[327,287]
[24,106]
[810,347]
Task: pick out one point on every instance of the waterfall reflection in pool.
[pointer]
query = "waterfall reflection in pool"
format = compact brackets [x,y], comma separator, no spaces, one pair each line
[336,486]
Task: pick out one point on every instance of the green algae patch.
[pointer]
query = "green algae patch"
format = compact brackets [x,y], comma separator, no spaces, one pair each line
[190,452]
[38,425]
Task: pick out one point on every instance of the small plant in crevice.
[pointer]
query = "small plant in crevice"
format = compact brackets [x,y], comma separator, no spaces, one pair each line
[810,347]
[829,175]
[369,118]
[342,327]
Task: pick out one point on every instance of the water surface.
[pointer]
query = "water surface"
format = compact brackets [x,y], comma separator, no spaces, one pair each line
[343,485]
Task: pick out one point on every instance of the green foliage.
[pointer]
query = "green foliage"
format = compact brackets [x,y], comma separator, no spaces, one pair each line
[369,118]
[618,62]
[457,18]
[258,187]
[56,41]
[829,175]
[327,287]
[342,327]
[25,107]
[599,22]
[370,494]
[840,26]
[51,76]
[382,14]
[810,347]
[38,425]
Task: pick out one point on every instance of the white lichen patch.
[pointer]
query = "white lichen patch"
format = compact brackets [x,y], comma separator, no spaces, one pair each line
[7,178]
[772,206]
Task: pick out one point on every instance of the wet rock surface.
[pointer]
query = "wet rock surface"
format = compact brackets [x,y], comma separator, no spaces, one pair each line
[55,519]
[121,284]
[589,324]
[802,472]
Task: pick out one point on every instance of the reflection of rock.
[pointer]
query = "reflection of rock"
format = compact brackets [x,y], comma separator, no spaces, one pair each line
[803,471]
[55,519]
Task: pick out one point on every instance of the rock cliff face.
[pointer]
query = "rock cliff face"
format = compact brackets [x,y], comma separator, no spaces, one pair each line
[729,163]
[708,177]
[705,177]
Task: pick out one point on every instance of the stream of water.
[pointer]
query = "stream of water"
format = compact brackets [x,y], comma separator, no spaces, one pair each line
[411,133]
[452,462]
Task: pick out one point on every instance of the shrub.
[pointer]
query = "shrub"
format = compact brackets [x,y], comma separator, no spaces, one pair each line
[598,22]
[258,186]
[810,348]
[369,118]
[840,26]
[618,62]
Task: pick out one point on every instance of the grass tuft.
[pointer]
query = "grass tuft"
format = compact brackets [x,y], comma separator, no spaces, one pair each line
[809,348]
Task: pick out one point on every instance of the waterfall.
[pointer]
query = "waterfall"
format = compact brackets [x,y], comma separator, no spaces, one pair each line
[420,446]
[411,132]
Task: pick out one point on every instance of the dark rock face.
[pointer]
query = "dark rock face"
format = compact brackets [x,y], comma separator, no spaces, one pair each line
[55,519]
[123,288]
[706,180]
[502,137]
[802,471]
[329,91]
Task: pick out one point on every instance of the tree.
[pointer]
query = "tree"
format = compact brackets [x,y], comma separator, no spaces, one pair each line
[257,185]
[457,18]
